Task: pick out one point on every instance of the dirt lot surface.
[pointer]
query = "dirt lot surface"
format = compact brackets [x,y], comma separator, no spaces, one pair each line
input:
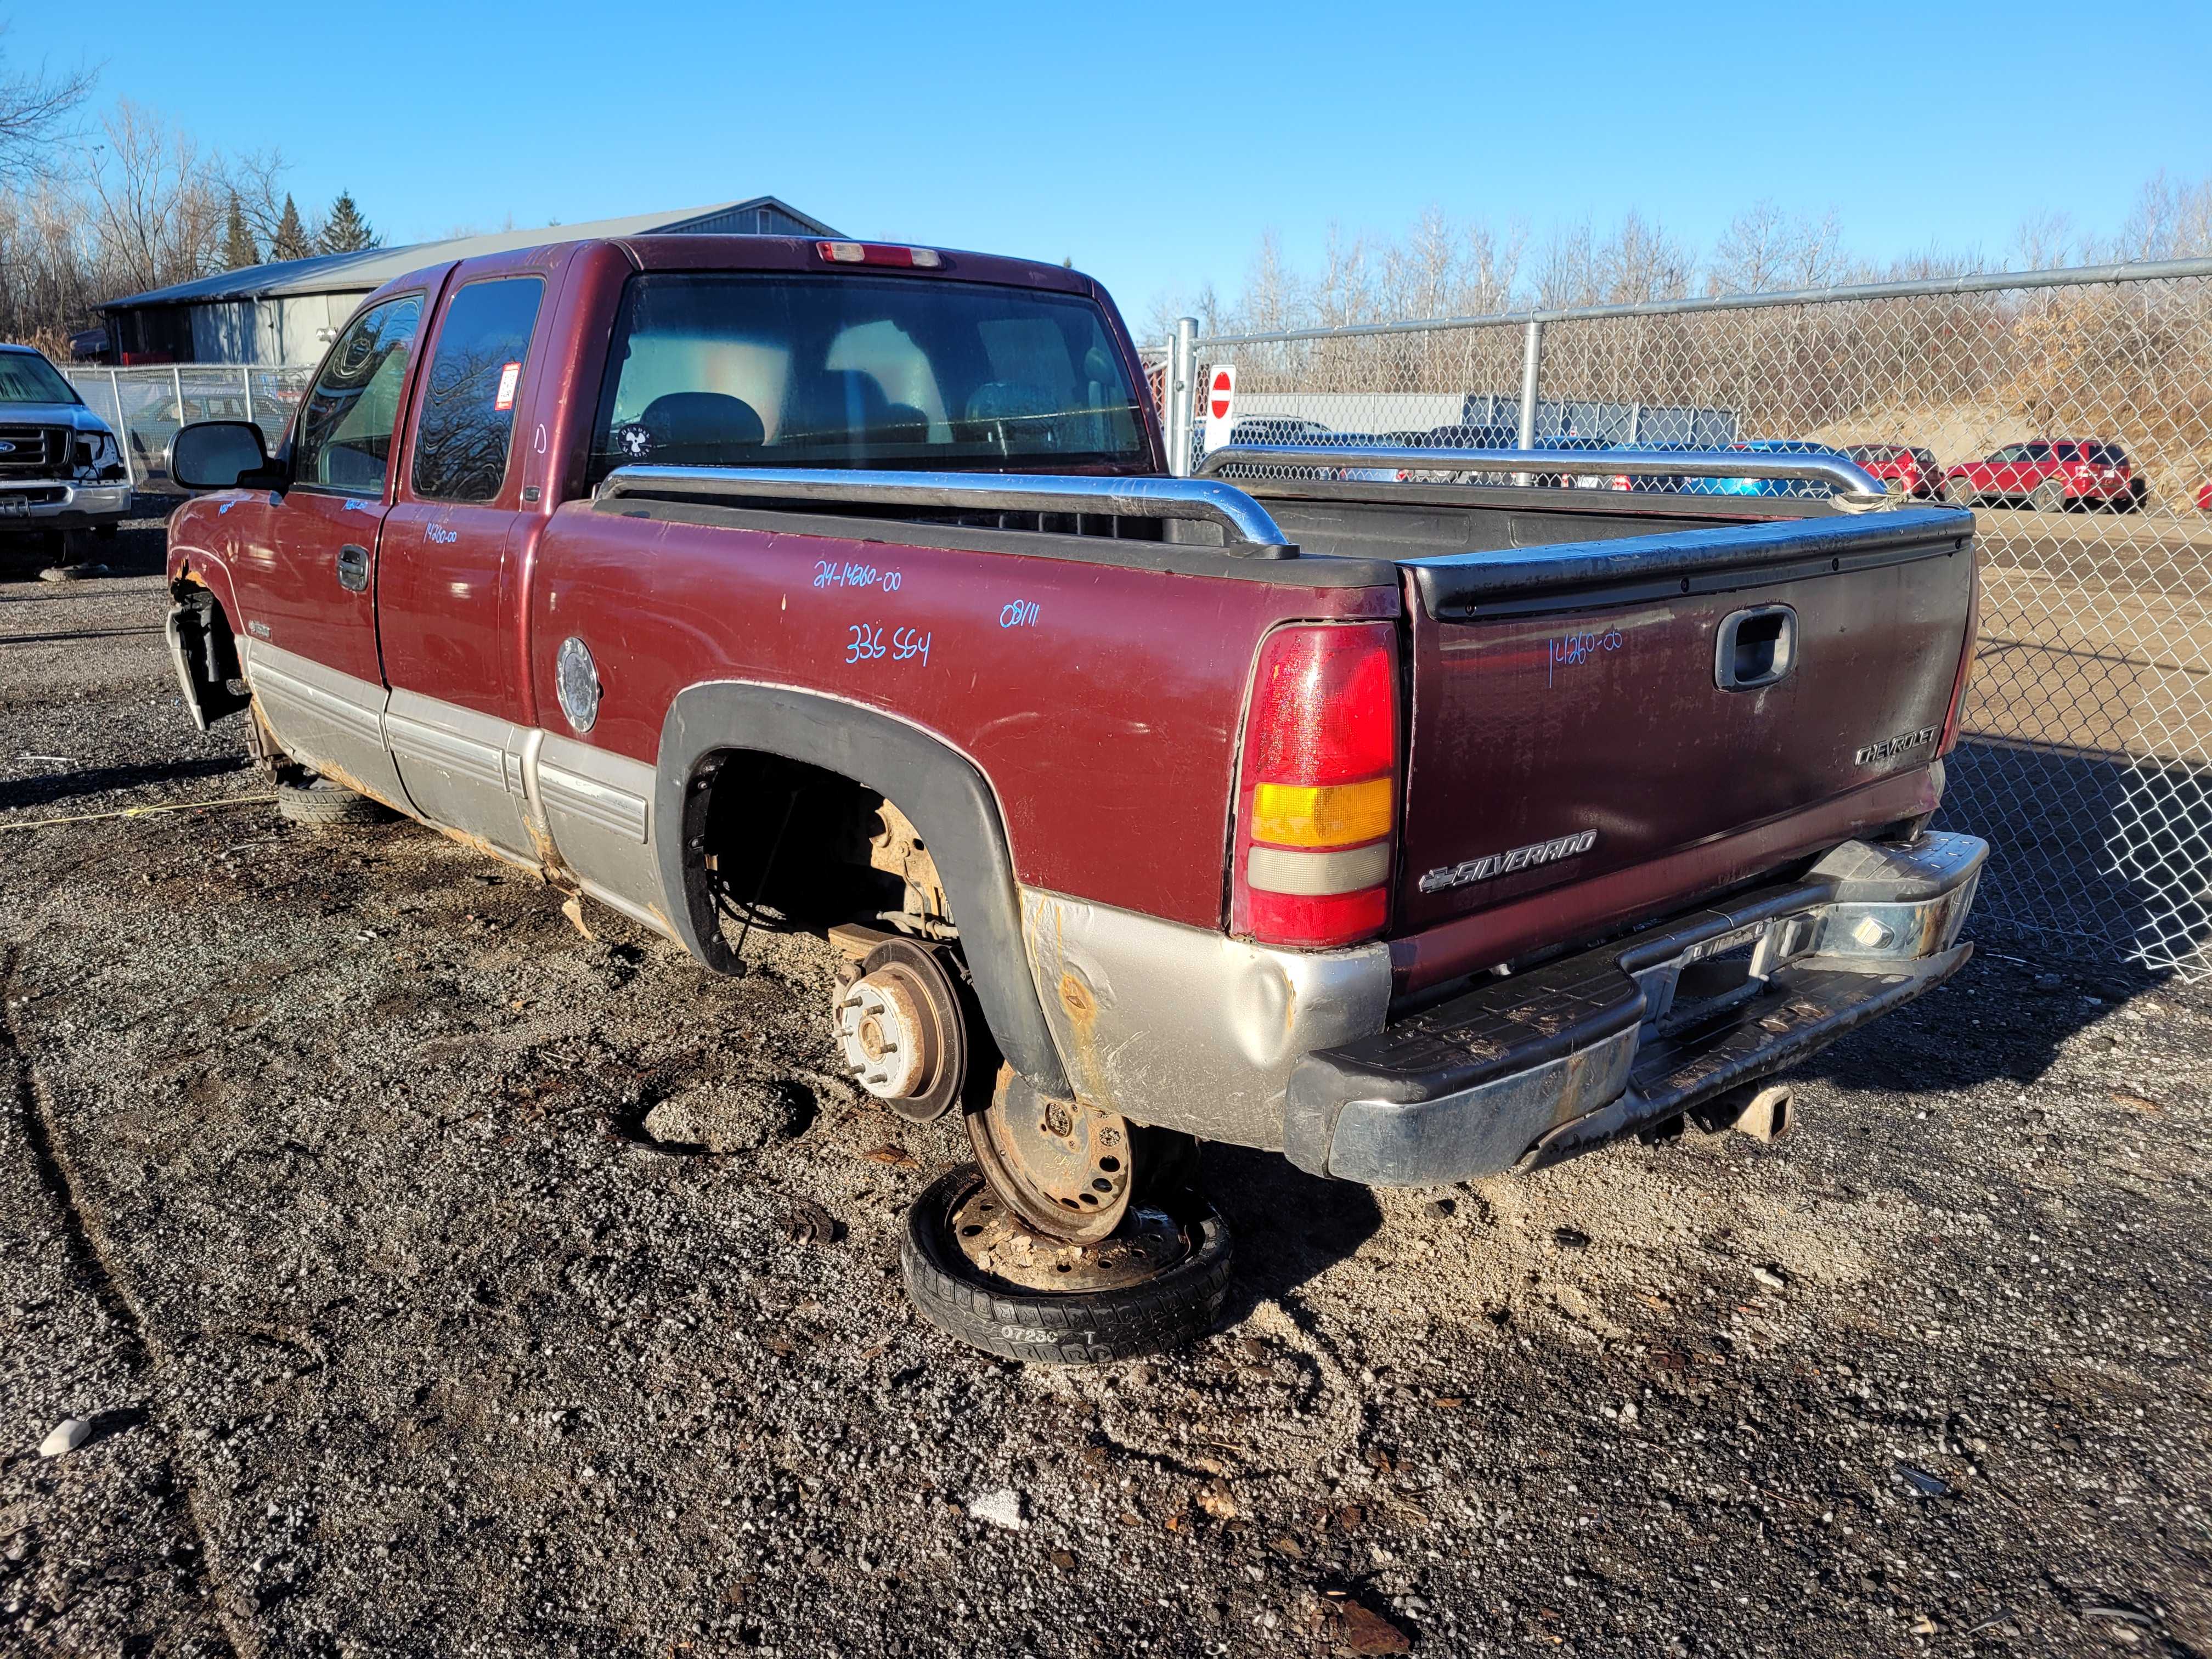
[434,1280]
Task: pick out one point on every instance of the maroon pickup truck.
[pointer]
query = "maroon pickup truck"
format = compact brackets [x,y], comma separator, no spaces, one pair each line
[1419,831]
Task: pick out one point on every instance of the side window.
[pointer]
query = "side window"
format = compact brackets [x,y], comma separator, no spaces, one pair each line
[346,423]
[467,427]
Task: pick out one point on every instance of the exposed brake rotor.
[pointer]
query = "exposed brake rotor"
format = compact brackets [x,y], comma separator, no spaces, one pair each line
[1065,1168]
[899,1023]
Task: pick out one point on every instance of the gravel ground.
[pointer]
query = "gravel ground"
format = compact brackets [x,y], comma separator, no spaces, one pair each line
[434,1279]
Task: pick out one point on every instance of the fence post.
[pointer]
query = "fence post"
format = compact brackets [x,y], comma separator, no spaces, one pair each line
[122,430]
[246,386]
[1532,349]
[1183,374]
[177,381]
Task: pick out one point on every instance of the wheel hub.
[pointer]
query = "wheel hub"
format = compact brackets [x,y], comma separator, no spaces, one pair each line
[900,1028]
[886,1040]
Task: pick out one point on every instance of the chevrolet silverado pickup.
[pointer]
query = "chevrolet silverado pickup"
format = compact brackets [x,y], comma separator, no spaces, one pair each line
[62,474]
[1418,831]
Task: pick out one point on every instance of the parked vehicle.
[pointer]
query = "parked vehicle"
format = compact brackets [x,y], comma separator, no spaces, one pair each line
[61,474]
[2205,498]
[1904,470]
[1416,832]
[2049,475]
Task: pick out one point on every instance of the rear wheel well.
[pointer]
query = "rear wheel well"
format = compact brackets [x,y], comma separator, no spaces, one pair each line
[793,847]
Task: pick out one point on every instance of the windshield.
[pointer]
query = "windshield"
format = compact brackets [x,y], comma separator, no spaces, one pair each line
[28,378]
[721,369]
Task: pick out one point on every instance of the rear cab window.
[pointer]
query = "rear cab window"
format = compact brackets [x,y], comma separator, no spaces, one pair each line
[779,369]
[466,432]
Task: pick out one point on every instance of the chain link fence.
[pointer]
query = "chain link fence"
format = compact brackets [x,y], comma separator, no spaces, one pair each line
[146,406]
[2072,408]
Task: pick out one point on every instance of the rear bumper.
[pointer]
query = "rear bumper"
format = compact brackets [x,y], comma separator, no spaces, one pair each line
[1529,1069]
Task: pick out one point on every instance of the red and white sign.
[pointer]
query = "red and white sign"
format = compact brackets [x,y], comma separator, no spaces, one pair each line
[1220,399]
[509,373]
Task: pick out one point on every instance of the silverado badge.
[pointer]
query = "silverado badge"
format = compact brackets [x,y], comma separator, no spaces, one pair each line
[1492,865]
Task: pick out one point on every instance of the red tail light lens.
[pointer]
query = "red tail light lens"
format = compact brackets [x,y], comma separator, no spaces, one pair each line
[1317,792]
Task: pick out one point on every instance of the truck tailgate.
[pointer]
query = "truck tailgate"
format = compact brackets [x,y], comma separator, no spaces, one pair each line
[1570,710]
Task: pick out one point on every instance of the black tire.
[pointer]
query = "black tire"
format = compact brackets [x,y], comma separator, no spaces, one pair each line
[1073,1328]
[1959,493]
[322,804]
[2049,496]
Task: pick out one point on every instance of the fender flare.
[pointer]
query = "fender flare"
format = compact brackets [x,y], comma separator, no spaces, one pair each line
[940,789]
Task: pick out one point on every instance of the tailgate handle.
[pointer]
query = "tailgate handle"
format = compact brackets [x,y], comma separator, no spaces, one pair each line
[1755,647]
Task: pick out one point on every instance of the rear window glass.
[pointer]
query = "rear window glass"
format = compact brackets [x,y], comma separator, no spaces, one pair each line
[777,370]
[476,374]
[2108,455]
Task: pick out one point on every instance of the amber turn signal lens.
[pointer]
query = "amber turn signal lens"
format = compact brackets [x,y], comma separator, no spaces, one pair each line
[1321,815]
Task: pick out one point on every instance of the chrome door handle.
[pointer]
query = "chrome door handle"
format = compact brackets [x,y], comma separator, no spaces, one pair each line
[353,568]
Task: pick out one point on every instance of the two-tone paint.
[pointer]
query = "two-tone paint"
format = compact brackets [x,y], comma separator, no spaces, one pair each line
[1095,689]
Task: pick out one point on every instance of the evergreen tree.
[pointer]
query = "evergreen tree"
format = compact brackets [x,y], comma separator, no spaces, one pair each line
[290,241]
[238,249]
[345,231]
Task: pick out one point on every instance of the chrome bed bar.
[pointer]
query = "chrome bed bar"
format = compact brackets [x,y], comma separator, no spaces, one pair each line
[1245,526]
[1854,487]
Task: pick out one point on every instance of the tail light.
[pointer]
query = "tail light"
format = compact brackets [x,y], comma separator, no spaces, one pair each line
[1318,789]
[1956,713]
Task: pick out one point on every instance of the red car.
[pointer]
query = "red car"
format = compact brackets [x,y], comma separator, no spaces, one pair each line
[2204,499]
[2049,475]
[1902,471]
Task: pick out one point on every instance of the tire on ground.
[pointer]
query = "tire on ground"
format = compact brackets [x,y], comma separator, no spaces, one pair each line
[325,805]
[1083,1328]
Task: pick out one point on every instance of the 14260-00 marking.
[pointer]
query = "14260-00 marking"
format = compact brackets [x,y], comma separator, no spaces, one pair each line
[1890,748]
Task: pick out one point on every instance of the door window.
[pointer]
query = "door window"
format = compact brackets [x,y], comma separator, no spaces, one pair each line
[347,423]
[467,427]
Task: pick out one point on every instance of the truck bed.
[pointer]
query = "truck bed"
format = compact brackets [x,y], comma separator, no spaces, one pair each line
[1572,763]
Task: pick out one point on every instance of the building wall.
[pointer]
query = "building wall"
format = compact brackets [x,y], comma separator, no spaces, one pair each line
[280,330]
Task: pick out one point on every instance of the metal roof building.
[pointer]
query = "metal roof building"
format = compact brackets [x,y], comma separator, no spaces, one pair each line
[287,312]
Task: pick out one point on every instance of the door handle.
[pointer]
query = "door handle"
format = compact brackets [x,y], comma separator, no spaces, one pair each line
[1755,647]
[353,568]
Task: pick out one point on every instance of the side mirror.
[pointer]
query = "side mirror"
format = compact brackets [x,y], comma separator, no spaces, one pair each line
[221,455]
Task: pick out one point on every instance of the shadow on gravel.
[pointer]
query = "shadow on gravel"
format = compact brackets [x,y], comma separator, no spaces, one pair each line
[140,548]
[51,787]
[1999,1018]
[1289,1226]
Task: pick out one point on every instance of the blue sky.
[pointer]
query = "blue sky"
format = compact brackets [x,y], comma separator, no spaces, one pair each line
[1154,145]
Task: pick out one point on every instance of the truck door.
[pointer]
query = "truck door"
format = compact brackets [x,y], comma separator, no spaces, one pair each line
[448,590]
[306,559]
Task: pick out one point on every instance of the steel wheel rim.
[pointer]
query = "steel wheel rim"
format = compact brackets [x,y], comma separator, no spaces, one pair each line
[1062,1166]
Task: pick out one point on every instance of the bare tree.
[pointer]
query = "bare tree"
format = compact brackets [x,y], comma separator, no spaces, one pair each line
[34,110]
[161,209]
